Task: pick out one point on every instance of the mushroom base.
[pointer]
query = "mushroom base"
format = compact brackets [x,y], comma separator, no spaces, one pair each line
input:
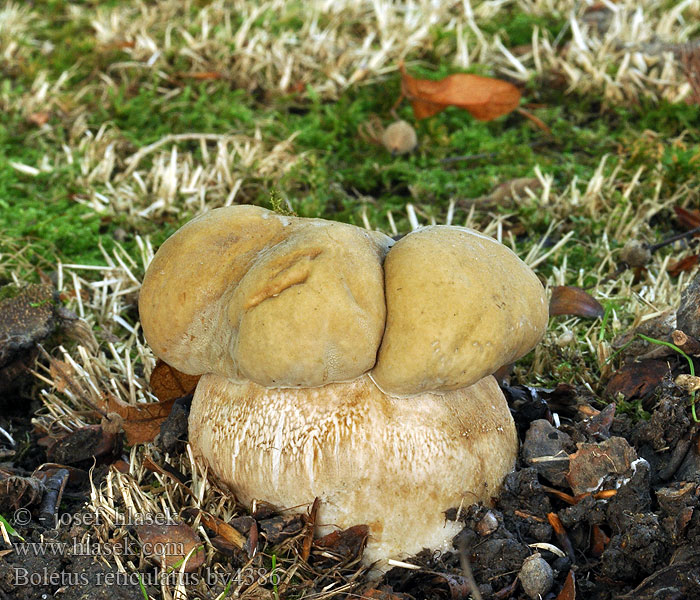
[394,464]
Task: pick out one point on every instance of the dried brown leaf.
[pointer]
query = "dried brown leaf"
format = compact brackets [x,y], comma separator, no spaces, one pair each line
[167,383]
[141,422]
[484,98]
[348,543]
[309,529]
[571,300]
[568,592]
[637,379]
[688,218]
[170,544]
[223,529]
[684,264]
[591,463]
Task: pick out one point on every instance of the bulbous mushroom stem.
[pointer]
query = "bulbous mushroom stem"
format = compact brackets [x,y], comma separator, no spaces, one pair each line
[394,464]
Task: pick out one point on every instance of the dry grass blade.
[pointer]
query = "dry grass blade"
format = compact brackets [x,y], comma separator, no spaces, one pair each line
[690,59]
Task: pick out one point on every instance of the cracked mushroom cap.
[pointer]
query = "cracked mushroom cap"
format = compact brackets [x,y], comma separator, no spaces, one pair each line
[282,301]
[395,464]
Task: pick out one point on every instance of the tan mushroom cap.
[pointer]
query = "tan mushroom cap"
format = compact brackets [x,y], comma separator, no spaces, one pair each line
[393,464]
[283,301]
[459,306]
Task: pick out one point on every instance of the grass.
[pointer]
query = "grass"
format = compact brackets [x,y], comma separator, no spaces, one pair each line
[272,104]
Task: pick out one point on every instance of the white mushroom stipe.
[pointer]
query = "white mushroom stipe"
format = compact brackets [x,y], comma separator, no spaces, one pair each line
[395,464]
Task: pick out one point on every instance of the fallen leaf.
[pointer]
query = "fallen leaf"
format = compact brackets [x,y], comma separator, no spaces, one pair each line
[688,219]
[76,477]
[383,593]
[599,541]
[571,300]
[592,463]
[484,98]
[141,422]
[568,592]
[86,443]
[167,383]
[170,544]
[223,529]
[309,529]
[637,379]
[282,527]
[347,544]
[685,264]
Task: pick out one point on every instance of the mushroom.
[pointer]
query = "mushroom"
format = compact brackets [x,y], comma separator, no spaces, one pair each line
[341,366]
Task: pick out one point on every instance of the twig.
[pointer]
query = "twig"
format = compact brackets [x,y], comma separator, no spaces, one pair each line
[674,238]
[536,120]
[54,486]
[467,571]
[466,157]
[688,344]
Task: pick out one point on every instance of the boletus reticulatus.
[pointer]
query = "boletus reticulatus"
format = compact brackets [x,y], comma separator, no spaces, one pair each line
[338,364]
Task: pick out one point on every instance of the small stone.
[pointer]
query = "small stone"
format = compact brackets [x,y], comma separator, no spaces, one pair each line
[487,525]
[536,576]
[545,450]
[565,338]
[399,138]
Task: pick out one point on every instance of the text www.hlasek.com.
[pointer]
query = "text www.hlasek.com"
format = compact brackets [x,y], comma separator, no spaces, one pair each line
[87,548]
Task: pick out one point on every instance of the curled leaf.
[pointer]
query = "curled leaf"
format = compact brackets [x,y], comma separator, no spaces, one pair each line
[688,218]
[572,300]
[141,422]
[484,98]
[167,383]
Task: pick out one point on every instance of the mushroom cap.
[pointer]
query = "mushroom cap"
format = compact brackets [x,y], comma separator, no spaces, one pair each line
[459,306]
[283,301]
[371,458]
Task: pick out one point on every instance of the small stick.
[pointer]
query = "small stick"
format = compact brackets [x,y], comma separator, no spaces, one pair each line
[310,526]
[507,591]
[673,238]
[54,486]
[686,343]
[467,571]
[453,159]
[526,515]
